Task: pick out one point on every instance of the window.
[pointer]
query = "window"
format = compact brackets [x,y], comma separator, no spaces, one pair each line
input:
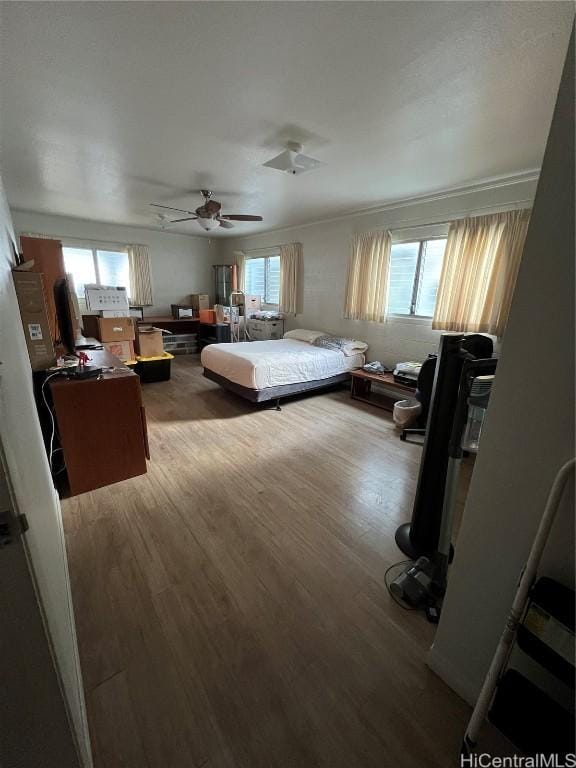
[79,262]
[92,265]
[414,275]
[262,278]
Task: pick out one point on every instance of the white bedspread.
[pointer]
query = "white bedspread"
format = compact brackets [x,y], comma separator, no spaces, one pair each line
[263,364]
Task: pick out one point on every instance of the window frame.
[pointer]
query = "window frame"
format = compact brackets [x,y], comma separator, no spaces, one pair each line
[266,256]
[94,248]
[412,315]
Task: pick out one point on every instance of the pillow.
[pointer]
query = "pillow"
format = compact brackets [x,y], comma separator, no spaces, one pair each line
[347,346]
[300,334]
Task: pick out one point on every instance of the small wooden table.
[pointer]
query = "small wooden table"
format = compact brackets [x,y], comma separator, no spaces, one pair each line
[362,389]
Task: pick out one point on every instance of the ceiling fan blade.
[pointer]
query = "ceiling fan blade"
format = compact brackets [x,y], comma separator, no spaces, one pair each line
[226,224]
[188,218]
[169,208]
[240,217]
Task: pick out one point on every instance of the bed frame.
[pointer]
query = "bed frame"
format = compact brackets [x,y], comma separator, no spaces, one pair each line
[275,393]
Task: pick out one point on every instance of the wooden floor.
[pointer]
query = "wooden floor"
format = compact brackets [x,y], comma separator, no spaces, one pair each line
[230,604]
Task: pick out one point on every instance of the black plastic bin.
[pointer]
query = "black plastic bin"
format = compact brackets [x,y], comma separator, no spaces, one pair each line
[151,369]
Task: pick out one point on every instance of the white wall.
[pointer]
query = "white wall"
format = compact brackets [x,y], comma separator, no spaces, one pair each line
[529,431]
[327,248]
[181,264]
[32,484]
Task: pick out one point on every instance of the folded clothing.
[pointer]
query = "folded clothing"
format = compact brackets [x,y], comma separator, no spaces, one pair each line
[347,346]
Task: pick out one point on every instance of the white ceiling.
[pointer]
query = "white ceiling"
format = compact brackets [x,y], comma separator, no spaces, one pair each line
[107,107]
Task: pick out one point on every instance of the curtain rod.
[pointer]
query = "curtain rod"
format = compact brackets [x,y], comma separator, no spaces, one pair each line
[267,248]
[78,239]
[459,216]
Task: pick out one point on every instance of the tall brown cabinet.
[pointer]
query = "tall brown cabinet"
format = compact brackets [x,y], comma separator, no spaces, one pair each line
[99,422]
[49,261]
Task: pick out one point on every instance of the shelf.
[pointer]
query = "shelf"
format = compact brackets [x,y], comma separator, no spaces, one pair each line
[362,389]
[378,399]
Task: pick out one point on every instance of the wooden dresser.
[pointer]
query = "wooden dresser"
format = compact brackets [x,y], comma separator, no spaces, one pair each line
[102,425]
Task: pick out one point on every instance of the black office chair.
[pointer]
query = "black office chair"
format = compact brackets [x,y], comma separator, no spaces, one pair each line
[423,395]
[476,345]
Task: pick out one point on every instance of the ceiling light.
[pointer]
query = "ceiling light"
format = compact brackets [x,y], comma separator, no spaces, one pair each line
[208,224]
[292,161]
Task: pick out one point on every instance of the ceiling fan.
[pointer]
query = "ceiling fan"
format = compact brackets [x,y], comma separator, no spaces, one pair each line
[208,215]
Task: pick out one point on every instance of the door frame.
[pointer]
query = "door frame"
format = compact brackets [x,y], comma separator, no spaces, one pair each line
[80,737]
[32,491]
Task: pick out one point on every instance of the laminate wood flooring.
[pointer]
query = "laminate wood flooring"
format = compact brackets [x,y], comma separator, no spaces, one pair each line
[230,604]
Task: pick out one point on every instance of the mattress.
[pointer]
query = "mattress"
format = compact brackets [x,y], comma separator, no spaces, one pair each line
[263,364]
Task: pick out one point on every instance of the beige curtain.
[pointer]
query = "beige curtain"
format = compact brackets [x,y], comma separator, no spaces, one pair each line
[140,277]
[479,272]
[290,269]
[239,260]
[368,277]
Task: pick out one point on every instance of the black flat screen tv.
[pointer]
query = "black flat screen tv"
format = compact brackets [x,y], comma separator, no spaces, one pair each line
[65,322]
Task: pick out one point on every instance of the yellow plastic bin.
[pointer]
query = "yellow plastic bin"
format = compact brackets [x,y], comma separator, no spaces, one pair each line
[151,369]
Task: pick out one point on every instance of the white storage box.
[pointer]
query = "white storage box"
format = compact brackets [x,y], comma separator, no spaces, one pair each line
[265,330]
[113,313]
[252,304]
[105,297]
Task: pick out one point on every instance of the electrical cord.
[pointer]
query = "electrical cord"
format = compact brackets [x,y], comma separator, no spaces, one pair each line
[63,467]
[52,419]
[401,603]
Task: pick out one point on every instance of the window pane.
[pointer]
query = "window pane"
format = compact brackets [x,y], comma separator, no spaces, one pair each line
[432,256]
[255,277]
[273,282]
[403,262]
[79,262]
[113,269]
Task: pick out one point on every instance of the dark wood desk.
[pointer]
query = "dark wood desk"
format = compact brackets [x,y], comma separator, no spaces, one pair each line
[169,323]
[361,389]
[102,425]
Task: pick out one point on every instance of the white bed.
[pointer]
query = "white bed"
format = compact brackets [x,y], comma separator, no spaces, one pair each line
[267,370]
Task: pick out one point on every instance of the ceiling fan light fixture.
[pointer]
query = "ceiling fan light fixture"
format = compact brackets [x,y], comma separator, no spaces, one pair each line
[208,224]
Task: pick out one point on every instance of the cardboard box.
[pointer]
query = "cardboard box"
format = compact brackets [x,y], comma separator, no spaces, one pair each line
[30,294]
[123,350]
[109,328]
[207,316]
[150,342]
[200,301]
